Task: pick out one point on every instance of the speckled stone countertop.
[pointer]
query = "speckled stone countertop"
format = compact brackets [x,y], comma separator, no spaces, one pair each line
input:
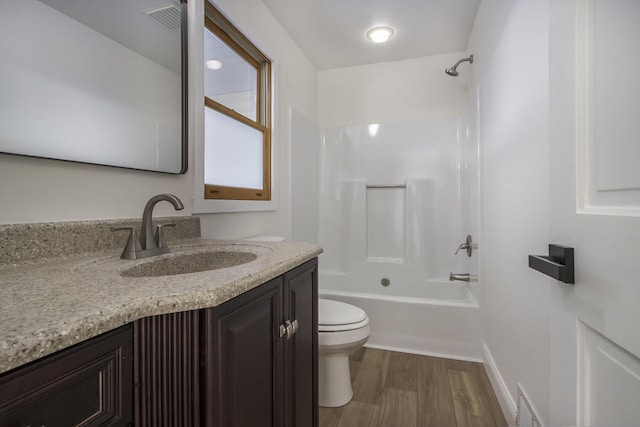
[48,306]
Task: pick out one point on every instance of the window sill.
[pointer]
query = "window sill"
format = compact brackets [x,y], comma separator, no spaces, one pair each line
[204,206]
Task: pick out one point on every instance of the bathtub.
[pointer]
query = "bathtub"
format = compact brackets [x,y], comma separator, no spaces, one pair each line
[431,317]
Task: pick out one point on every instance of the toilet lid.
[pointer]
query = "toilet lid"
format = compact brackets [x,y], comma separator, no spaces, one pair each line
[333,314]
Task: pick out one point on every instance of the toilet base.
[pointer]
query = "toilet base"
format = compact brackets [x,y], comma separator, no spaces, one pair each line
[334,380]
[334,376]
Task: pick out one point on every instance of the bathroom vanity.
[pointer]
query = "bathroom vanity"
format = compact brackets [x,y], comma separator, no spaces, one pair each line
[83,344]
[260,355]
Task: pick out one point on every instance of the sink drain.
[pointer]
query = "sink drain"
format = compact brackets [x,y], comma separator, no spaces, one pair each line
[385,282]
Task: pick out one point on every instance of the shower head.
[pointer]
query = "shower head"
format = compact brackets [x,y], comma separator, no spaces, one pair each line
[453,70]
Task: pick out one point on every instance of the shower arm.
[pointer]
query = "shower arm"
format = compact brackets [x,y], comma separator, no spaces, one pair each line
[469,59]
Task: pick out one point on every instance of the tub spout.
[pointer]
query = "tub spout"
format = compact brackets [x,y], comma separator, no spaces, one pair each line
[463,277]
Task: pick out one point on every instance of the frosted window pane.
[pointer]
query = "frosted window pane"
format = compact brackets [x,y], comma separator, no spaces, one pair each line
[234,83]
[232,152]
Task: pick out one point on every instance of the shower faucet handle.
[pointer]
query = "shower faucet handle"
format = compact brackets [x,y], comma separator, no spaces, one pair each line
[467,245]
[462,246]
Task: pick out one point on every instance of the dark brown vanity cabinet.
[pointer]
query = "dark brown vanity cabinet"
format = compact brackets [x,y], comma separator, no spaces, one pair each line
[249,362]
[259,355]
[89,384]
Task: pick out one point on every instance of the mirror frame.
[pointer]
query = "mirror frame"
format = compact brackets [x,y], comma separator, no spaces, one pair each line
[184,82]
[184,79]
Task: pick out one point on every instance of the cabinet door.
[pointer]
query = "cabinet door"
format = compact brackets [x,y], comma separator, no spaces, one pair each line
[242,360]
[89,384]
[301,355]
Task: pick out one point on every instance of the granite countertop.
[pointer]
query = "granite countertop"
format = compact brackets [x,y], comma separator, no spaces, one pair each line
[48,306]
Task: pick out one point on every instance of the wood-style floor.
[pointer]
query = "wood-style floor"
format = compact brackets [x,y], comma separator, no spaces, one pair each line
[406,390]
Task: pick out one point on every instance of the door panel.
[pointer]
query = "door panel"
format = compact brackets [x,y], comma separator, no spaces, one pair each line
[595,194]
[608,106]
[603,367]
[612,29]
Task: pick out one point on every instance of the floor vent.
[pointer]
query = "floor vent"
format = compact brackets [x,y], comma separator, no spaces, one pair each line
[168,15]
[526,415]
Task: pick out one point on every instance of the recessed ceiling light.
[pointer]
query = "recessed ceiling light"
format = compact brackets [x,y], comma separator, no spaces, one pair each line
[380,34]
[214,64]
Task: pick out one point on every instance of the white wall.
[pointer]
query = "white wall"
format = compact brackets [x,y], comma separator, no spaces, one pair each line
[39,190]
[510,71]
[394,91]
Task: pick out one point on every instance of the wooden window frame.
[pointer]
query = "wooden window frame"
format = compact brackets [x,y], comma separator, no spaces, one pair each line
[222,28]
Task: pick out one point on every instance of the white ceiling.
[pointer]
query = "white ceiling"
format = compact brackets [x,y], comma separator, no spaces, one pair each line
[332,33]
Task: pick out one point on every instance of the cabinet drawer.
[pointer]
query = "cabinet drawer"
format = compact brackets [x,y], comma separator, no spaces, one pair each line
[89,384]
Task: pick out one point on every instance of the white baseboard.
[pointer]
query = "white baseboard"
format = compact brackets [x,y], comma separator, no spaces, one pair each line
[507,404]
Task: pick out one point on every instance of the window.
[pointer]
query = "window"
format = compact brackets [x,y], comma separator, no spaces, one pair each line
[237,148]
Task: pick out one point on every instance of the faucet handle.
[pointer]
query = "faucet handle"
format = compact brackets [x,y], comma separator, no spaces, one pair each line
[468,245]
[462,246]
[159,237]
[133,242]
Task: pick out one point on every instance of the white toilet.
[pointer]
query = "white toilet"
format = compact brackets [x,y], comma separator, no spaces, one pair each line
[342,329]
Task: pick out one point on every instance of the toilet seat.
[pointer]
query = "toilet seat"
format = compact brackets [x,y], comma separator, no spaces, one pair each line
[344,327]
[336,316]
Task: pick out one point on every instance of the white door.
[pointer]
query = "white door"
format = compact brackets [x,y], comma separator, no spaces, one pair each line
[595,188]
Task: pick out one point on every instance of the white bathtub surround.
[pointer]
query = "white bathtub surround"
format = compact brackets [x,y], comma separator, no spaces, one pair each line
[440,319]
[391,212]
[392,197]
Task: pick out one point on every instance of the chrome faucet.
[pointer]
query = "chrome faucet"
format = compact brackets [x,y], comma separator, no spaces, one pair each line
[147,240]
[148,245]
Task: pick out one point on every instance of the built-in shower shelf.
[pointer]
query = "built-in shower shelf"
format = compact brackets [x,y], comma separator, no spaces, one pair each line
[386,217]
[558,264]
[387,186]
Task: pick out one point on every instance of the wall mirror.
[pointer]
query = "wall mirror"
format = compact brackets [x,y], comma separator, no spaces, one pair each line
[95,81]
